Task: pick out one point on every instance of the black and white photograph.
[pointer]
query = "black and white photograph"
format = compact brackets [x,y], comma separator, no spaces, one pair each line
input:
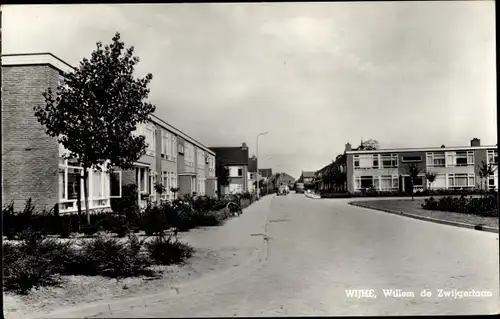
[249,159]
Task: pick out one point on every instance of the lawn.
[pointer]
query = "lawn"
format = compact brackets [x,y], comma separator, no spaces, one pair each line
[414,207]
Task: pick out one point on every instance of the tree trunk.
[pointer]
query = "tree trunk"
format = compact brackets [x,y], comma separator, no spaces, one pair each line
[86,194]
[79,200]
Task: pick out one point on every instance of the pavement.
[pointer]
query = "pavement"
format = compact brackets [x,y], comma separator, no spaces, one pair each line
[309,255]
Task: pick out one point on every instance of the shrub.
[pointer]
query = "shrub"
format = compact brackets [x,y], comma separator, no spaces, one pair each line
[154,218]
[485,206]
[109,257]
[128,201]
[168,250]
[29,264]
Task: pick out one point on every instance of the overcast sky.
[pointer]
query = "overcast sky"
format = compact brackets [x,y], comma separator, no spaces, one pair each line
[314,75]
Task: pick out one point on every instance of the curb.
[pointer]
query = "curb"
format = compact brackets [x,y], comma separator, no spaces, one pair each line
[312,197]
[430,219]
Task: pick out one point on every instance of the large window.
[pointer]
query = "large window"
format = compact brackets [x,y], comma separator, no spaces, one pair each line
[211,165]
[436,160]
[149,132]
[461,180]
[189,154]
[439,182]
[101,186]
[200,184]
[389,160]
[235,171]
[365,161]
[493,181]
[492,157]
[169,180]
[364,182]
[168,146]
[200,159]
[463,158]
[388,183]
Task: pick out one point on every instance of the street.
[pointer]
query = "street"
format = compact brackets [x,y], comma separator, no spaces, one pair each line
[315,250]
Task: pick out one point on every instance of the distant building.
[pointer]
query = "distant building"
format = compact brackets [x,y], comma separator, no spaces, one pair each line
[307,177]
[385,169]
[266,172]
[252,173]
[235,158]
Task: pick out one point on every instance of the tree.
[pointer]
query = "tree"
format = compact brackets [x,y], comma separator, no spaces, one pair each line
[431,177]
[371,144]
[414,171]
[97,108]
[485,171]
[222,173]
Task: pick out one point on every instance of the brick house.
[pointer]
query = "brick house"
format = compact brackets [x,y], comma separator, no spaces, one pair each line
[455,167]
[32,166]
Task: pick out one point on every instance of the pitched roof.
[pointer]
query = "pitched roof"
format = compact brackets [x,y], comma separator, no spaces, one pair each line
[235,155]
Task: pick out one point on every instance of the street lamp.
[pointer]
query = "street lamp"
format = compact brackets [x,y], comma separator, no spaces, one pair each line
[257,162]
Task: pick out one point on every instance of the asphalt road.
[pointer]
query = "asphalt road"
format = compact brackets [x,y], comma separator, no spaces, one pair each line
[318,249]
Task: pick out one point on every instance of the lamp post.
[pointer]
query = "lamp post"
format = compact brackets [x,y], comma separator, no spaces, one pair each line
[257,163]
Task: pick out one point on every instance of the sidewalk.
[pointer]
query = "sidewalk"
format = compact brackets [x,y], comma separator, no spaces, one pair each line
[240,242]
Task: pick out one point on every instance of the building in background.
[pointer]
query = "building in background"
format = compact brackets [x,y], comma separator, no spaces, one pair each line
[252,174]
[307,178]
[266,172]
[279,179]
[32,163]
[386,169]
[234,158]
[332,177]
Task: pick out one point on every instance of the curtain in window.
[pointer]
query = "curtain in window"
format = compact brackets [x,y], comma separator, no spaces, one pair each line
[386,182]
[97,185]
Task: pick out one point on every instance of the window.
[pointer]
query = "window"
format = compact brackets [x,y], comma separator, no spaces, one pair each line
[493,182]
[439,182]
[492,157]
[152,182]
[389,160]
[364,182]
[388,182]
[461,180]
[365,161]
[189,154]
[411,159]
[459,158]
[97,184]
[240,172]
[200,158]
[180,148]
[436,159]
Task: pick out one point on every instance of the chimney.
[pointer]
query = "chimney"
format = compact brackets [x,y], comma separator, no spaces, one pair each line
[244,146]
[475,142]
[348,147]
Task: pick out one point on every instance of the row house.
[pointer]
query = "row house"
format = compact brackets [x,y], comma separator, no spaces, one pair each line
[339,164]
[236,160]
[455,167]
[33,165]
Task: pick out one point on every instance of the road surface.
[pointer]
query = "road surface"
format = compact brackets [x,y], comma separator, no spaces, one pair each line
[316,250]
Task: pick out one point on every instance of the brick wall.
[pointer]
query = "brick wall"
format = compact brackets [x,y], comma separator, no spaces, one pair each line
[29,156]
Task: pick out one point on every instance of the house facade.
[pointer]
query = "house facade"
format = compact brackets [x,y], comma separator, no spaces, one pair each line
[335,169]
[307,177]
[386,170]
[32,163]
[235,159]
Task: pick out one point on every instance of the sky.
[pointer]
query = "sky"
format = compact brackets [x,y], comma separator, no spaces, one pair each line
[315,76]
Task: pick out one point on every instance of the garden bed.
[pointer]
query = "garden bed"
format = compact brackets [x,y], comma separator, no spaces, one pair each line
[415,207]
[87,289]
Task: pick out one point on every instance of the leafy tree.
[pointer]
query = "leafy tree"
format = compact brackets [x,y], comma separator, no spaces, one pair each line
[371,144]
[222,173]
[485,171]
[413,171]
[96,109]
[431,177]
